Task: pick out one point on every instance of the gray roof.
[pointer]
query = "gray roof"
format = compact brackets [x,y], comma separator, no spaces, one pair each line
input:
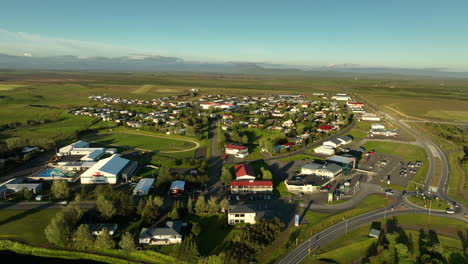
[326,166]
[346,138]
[374,233]
[241,209]
[313,180]
[341,159]
[144,184]
[172,228]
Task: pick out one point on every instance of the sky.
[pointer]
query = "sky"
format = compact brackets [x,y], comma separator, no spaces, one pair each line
[396,33]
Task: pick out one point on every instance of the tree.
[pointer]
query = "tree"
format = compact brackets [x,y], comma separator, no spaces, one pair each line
[125,204]
[213,259]
[196,229]
[200,205]
[82,237]
[190,206]
[104,240]
[27,194]
[245,139]
[224,205]
[105,207]
[226,176]
[187,250]
[213,206]
[151,208]
[58,231]
[266,174]
[175,212]
[60,190]
[127,242]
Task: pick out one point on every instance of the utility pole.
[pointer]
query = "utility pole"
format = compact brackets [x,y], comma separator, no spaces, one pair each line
[346,228]
[430,207]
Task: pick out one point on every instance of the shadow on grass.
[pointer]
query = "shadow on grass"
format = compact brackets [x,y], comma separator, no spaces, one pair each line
[22,214]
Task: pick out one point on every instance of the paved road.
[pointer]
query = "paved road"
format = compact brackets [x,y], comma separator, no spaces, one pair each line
[215,163]
[399,206]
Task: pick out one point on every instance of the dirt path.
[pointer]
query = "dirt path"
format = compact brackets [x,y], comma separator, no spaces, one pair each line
[404,115]
[197,145]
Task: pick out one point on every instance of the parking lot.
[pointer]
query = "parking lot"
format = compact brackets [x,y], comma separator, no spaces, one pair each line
[390,169]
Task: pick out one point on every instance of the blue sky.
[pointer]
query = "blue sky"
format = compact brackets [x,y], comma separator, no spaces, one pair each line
[397,33]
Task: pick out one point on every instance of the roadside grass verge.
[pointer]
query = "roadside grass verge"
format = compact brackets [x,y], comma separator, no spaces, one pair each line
[426,203]
[113,256]
[458,182]
[297,157]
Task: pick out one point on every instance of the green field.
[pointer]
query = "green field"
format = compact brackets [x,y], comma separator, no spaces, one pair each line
[148,142]
[297,157]
[9,87]
[434,204]
[25,225]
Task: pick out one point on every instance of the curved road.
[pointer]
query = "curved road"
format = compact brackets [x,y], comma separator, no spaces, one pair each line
[399,206]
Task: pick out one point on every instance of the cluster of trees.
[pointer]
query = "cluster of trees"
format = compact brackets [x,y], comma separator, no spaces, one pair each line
[212,206]
[451,132]
[150,208]
[165,176]
[60,229]
[82,239]
[242,248]
[394,245]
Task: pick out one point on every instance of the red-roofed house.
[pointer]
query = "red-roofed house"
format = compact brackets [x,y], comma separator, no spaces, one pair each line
[244,172]
[325,128]
[237,151]
[288,145]
[355,105]
[263,186]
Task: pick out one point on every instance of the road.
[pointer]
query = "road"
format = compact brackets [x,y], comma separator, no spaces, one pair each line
[39,205]
[398,207]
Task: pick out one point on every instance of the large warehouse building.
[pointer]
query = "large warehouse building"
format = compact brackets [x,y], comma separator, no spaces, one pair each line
[109,170]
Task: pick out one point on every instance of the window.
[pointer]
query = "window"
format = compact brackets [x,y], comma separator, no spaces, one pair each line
[237,215]
[242,215]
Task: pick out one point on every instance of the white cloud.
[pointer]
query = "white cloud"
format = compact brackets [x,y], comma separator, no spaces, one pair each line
[17,43]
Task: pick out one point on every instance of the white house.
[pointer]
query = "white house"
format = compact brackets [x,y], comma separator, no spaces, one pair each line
[241,214]
[106,170]
[237,151]
[170,234]
[288,123]
[377,126]
[324,149]
[334,143]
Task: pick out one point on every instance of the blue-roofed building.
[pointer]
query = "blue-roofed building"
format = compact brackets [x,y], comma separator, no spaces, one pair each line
[108,170]
[143,187]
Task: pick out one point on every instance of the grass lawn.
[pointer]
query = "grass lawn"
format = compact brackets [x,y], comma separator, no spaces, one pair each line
[144,142]
[25,225]
[435,204]
[297,157]
[214,231]
[280,190]
[458,183]
[9,87]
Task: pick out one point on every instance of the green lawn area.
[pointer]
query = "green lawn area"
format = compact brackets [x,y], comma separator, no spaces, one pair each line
[435,204]
[458,183]
[9,87]
[297,157]
[141,141]
[25,225]
[280,190]
[360,129]
[214,231]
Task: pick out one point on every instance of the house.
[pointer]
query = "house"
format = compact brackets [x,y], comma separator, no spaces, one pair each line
[108,170]
[177,188]
[244,172]
[334,143]
[237,151]
[355,105]
[241,214]
[326,169]
[18,184]
[288,123]
[144,186]
[369,117]
[97,229]
[251,186]
[134,124]
[325,128]
[345,140]
[306,183]
[377,126]
[326,150]
[170,234]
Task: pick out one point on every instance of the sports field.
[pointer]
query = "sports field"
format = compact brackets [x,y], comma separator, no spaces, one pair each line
[141,141]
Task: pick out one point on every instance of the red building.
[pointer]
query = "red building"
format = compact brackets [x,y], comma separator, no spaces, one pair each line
[325,128]
[244,172]
[177,188]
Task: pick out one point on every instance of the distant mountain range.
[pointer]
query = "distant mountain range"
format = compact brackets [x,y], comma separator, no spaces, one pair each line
[143,63]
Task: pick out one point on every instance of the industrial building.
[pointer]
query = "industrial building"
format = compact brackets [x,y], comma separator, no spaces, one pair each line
[306,183]
[321,169]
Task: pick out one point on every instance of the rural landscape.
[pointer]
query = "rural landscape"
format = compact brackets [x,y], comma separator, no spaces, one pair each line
[234,132]
[274,136]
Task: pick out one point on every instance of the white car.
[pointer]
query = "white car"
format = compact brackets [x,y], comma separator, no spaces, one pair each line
[449,211]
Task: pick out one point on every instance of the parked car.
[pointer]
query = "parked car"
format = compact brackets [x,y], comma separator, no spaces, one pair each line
[449,211]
